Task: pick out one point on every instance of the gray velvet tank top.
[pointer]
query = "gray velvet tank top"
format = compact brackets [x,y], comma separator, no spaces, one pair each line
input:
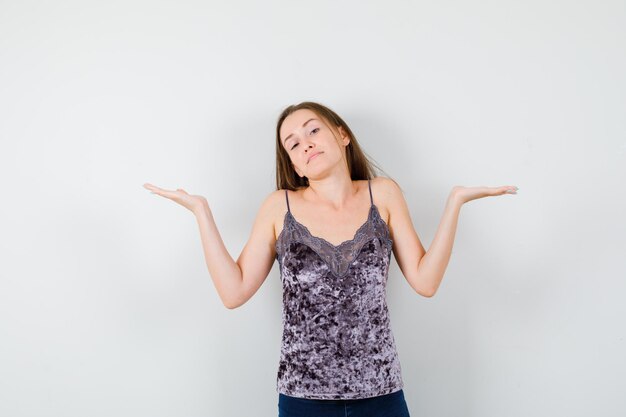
[337,341]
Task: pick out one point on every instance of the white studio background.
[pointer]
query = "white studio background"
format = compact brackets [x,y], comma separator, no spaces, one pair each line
[106,304]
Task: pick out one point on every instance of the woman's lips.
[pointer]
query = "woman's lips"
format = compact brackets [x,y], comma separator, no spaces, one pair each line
[311,158]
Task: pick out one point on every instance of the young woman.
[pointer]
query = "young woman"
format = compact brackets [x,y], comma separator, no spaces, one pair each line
[331,225]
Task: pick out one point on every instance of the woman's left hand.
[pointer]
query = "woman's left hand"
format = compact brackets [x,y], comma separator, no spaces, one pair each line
[465,194]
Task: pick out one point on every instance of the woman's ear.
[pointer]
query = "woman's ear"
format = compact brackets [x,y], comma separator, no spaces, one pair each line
[345,139]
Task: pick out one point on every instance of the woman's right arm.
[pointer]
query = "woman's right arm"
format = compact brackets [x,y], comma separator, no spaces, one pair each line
[224,271]
[236,282]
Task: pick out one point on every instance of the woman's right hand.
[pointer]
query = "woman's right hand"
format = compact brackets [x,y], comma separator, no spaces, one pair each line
[192,202]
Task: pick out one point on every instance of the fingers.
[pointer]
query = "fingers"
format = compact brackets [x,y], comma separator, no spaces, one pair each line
[153,189]
[506,189]
[163,192]
[157,190]
[150,187]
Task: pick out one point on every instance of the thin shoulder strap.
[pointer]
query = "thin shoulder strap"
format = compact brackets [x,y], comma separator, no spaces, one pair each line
[287,198]
[370,187]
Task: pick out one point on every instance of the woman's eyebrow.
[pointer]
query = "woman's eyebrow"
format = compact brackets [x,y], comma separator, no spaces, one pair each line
[285,140]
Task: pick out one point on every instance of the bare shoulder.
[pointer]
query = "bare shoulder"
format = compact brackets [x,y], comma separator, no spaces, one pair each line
[274,203]
[387,186]
[275,206]
[387,194]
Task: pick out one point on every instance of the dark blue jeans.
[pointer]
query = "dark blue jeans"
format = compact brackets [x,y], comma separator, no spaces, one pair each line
[389,405]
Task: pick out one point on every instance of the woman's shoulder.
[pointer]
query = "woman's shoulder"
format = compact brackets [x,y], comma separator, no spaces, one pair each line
[387,196]
[277,199]
[276,205]
[384,186]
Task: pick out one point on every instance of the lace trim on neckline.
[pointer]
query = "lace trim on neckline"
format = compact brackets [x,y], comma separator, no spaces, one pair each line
[338,257]
[345,242]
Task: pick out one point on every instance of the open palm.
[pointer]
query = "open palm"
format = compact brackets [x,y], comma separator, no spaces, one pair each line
[465,194]
[180,196]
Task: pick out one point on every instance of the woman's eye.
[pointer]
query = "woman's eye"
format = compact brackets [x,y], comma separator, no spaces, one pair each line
[317,128]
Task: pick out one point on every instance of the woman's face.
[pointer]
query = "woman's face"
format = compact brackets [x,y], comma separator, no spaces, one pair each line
[310,143]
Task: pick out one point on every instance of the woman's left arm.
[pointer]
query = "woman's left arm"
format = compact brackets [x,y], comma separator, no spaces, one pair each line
[433,264]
